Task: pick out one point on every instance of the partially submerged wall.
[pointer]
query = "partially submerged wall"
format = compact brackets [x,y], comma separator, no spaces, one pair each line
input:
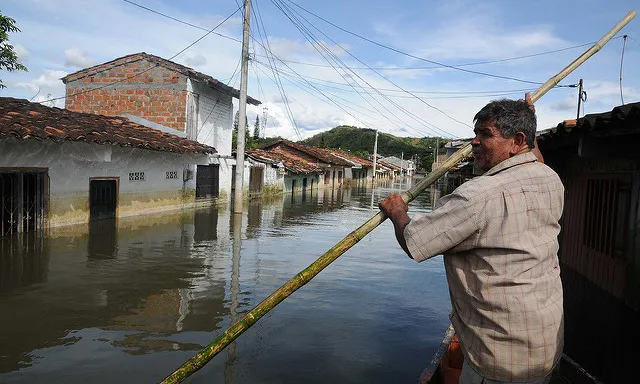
[147,181]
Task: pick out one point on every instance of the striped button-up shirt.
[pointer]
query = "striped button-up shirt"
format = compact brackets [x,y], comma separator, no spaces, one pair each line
[499,236]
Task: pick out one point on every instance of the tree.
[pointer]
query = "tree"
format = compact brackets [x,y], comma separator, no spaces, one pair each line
[256,128]
[234,134]
[8,57]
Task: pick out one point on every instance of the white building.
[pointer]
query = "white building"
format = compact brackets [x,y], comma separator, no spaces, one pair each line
[59,167]
[165,95]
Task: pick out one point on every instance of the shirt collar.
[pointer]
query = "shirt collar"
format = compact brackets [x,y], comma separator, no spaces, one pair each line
[527,157]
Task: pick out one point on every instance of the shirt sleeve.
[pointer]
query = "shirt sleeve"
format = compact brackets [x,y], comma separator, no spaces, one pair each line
[452,224]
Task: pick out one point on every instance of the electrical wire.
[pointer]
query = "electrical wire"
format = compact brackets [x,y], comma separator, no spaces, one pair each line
[456,65]
[624,44]
[258,17]
[410,114]
[180,21]
[442,65]
[148,69]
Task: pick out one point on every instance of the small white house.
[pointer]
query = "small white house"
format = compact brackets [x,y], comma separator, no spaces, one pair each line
[59,167]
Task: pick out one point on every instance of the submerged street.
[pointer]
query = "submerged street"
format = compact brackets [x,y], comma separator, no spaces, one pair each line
[131,303]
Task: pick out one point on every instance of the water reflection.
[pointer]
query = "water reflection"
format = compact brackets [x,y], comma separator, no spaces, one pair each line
[115,292]
[24,260]
[103,239]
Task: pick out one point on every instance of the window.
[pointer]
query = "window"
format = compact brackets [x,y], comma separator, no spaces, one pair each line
[607,209]
[136,176]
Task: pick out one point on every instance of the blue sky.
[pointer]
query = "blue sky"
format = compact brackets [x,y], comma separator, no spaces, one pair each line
[334,77]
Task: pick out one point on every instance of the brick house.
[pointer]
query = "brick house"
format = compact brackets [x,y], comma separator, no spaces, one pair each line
[164,95]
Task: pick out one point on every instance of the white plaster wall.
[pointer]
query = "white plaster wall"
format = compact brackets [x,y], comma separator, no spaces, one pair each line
[215,117]
[272,176]
[226,169]
[71,165]
[348,174]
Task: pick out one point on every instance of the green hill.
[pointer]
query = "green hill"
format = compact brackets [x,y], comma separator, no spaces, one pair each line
[360,141]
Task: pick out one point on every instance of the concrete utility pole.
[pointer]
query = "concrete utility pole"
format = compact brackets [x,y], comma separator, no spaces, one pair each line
[375,155]
[242,113]
[435,156]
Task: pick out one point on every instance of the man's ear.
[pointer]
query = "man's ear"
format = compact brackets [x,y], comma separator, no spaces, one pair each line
[519,141]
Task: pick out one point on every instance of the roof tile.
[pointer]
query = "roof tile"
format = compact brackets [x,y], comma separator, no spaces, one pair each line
[26,120]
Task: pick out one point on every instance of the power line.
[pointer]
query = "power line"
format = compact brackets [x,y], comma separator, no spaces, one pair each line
[148,69]
[456,65]
[414,56]
[179,21]
[258,17]
[380,93]
[487,92]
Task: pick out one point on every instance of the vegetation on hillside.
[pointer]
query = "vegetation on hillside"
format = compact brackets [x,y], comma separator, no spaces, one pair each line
[360,141]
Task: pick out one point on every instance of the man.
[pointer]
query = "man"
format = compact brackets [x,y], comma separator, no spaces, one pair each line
[499,236]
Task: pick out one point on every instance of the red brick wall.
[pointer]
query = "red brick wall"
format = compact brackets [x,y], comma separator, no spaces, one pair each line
[141,88]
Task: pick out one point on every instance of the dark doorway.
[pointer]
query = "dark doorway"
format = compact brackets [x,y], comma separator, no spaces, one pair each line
[293,186]
[207,181]
[103,196]
[256,179]
[304,185]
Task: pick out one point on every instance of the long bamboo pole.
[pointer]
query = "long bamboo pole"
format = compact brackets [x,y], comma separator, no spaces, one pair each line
[302,278]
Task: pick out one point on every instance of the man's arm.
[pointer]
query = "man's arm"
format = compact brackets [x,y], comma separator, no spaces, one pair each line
[396,210]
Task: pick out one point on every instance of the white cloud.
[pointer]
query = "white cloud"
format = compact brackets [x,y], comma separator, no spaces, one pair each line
[47,84]
[76,57]
[195,60]
[22,53]
[565,104]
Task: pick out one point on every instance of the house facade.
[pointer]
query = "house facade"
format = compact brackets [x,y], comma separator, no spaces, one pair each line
[333,167]
[163,95]
[59,167]
[293,173]
[599,165]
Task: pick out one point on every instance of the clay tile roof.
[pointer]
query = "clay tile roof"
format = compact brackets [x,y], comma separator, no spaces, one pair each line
[321,154]
[184,70]
[291,162]
[353,158]
[26,120]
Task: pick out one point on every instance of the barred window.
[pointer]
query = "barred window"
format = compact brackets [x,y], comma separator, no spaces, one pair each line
[172,174]
[136,176]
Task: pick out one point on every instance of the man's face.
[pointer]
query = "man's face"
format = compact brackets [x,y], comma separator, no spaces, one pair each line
[489,146]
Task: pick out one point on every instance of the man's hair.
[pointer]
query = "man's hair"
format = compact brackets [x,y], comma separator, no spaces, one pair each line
[510,117]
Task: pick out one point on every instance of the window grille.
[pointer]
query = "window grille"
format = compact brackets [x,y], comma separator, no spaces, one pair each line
[172,174]
[136,176]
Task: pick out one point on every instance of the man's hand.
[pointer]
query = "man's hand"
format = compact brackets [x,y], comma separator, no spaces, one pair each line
[393,206]
[396,210]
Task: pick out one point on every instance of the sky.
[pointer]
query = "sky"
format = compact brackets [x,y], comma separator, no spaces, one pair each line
[405,67]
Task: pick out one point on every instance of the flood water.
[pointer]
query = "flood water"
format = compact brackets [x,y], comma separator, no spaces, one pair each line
[131,303]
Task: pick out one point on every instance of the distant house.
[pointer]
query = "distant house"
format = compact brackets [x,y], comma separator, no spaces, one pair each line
[167,96]
[599,163]
[406,166]
[333,167]
[361,170]
[293,174]
[60,167]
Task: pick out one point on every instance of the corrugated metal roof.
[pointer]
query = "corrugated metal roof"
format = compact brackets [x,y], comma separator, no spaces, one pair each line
[27,121]
[622,118]
[186,71]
